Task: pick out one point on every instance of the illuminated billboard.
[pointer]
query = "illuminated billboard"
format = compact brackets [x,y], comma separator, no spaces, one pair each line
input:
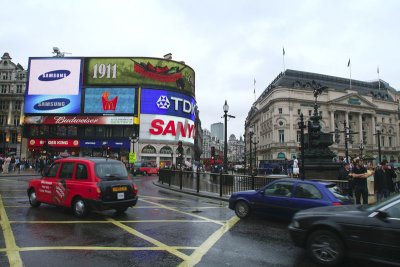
[80,120]
[139,71]
[167,103]
[54,86]
[166,128]
[109,100]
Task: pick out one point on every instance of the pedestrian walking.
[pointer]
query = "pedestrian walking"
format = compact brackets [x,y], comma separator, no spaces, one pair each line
[359,174]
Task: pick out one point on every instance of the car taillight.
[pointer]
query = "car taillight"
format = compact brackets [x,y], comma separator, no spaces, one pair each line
[336,204]
[135,189]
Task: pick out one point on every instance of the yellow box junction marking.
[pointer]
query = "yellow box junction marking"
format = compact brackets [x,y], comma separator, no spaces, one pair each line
[12,249]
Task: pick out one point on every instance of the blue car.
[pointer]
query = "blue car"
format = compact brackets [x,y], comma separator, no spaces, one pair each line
[284,197]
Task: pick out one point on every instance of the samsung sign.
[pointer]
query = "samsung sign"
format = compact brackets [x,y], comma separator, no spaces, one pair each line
[164,102]
[54,86]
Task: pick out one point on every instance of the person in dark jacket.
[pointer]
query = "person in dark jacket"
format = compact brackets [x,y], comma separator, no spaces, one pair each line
[344,172]
[384,181]
[359,175]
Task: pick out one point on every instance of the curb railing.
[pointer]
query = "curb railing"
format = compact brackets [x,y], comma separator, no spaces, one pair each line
[221,184]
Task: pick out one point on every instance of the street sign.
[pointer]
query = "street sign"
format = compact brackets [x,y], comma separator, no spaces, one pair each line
[132,157]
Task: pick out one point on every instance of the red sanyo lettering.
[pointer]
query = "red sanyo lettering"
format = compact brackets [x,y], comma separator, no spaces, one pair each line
[171,128]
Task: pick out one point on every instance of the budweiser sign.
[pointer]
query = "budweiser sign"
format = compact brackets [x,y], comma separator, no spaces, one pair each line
[78,120]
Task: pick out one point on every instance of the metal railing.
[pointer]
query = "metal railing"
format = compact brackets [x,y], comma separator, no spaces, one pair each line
[220,184]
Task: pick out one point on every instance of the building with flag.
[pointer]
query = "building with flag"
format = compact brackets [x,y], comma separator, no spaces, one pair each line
[364,106]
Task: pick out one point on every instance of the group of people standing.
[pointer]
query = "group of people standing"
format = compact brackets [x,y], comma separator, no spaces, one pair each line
[365,180]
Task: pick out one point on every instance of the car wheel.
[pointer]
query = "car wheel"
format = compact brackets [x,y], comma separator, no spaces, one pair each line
[79,208]
[33,200]
[325,247]
[121,210]
[144,173]
[242,209]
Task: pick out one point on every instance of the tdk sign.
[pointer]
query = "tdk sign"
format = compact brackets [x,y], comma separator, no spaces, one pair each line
[164,102]
[52,104]
[179,104]
[54,75]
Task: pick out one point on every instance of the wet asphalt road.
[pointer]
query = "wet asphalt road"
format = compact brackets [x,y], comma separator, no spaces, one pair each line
[166,228]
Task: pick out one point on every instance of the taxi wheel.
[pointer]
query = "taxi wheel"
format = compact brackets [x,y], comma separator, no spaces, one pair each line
[33,200]
[242,209]
[79,207]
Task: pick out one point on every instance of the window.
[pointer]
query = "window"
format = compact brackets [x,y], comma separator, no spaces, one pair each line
[4,105]
[394,211]
[89,132]
[100,131]
[149,150]
[390,121]
[383,119]
[309,113]
[280,110]
[17,105]
[4,89]
[81,172]
[281,136]
[382,140]
[307,191]
[390,141]
[53,170]
[61,130]
[299,136]
[298,111]
[16,121]
[166,150]
[3,119]
[282,189]
[320,113]
[67,170]
[19,89]
[72,130]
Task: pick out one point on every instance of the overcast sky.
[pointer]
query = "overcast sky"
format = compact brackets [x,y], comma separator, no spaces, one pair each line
[227,43]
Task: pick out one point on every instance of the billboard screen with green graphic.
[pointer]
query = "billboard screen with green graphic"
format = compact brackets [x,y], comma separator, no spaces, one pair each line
[141,71]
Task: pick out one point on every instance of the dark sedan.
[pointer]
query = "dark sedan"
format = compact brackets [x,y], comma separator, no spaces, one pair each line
[284,197]
[330,234]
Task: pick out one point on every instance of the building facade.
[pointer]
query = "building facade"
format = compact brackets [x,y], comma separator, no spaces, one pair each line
[217,130]
[12,89]
[366,107]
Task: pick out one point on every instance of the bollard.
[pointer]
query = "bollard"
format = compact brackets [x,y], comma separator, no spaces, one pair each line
[198,180]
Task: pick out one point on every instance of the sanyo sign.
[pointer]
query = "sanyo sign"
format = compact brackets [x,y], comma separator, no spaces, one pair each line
[166,128]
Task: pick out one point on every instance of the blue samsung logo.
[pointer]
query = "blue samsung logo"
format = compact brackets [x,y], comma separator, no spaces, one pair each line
[54,75]
[52,104]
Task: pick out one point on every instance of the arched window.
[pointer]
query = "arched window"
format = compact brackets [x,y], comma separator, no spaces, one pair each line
[166,150]
[149,150]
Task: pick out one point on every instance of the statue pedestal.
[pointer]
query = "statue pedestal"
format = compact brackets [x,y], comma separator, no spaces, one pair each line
[321,170]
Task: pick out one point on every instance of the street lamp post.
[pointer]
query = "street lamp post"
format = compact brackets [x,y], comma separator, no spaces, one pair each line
[378,134]
[255,154]
[251,133]
[302,126]
[226,115]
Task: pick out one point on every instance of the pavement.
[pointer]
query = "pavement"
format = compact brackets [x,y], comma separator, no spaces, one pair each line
[28,172]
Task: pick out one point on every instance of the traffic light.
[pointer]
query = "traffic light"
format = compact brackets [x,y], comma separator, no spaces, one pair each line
[364,137]
[180,149]
[351,136]
[337,136]
[213,152]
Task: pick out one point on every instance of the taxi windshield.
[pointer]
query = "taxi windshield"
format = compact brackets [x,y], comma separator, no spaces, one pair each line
[111,171]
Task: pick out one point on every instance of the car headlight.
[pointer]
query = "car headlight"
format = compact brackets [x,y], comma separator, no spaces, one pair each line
[295,224]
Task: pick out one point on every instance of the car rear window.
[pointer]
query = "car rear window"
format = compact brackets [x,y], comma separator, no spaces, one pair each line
[111,171]
[337,192]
